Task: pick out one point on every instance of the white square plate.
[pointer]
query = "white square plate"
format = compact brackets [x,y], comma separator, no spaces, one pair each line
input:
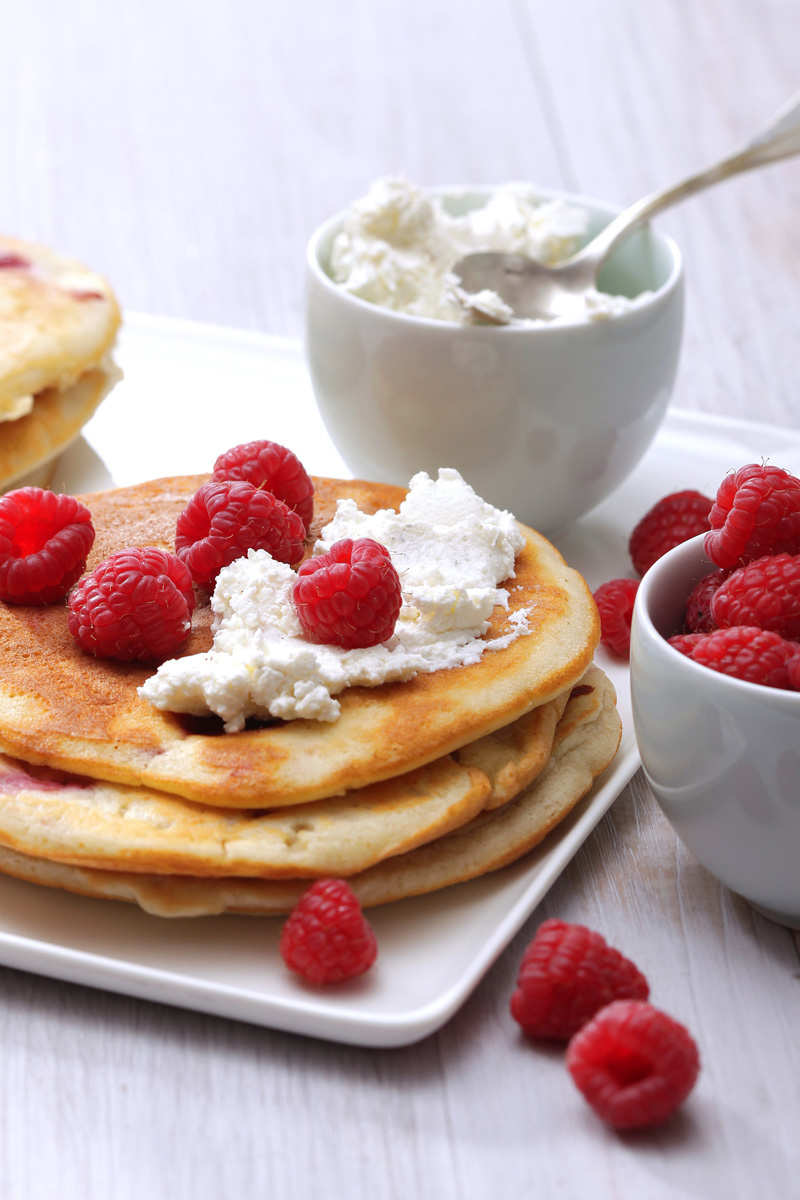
[190,392]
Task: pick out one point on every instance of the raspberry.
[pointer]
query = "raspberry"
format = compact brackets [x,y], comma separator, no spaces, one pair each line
[44,542]
[567,973]
[685,642]
[267,464]
[326,937]
[350,596]
[136,604]
[224,520]
[673,520]
[744,651]
[698,602]
[13,262]
[634,1064]
[614,602]
[756,512]
[765,593]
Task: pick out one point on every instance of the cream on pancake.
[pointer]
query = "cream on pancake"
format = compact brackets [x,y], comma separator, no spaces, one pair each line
[61,708]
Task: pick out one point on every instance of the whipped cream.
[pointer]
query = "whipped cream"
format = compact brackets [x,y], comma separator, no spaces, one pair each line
[398,245]
[451,550]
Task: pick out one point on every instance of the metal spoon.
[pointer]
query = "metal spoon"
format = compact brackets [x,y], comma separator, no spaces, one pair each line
[533,290]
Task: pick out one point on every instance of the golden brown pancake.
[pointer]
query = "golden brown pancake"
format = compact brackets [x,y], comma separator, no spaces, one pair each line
[88,822]
[586,741]
[56,420]
[64,709]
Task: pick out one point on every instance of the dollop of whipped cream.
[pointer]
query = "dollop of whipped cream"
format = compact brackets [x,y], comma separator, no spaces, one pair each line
[398,245]
[451,550]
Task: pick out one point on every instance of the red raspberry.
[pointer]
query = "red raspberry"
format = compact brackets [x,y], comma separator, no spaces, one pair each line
[567,973]
[765,593]
[633,1063]
[267,464]
[673,520]
[793,668]
[614,602]
[746,652]
[685,642]
[326,938]
[138,604]
[224,520]
[349,597]
[698,602]
[13,262]
[756,512]
[44,542]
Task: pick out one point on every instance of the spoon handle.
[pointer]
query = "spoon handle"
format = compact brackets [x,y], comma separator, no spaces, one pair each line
[779,139]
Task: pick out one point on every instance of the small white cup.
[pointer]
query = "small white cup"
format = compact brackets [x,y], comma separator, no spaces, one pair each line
[544,420]
[722,756]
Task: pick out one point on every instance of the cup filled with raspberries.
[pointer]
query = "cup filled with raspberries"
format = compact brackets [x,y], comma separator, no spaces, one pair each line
[714,629]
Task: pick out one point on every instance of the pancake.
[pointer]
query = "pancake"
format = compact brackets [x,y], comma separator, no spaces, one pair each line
[27,445]
[586,741]
[86,822]
[64,709]
[58,319]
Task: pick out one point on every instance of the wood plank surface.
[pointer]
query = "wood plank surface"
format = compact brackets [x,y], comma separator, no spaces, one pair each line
[188,150]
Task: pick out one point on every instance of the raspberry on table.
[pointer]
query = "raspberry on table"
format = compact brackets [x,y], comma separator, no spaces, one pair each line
[614,602]
[675,519]
[634,1064]
[45,539]
[270,465]
[224,520]
[350,596]
[326,938]
[568,973]
[137,604]
[765,593]
[698,602]
[744,651]
[756,512]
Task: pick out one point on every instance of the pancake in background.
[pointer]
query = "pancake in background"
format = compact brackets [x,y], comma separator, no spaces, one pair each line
[586,742]
[58,322]
[62,708]
[30,445]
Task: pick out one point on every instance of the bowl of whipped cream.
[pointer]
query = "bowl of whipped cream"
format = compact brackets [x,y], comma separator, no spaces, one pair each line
[543,418]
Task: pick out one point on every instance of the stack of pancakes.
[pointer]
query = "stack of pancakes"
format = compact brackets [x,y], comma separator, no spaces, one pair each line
[58,322]
[416,786]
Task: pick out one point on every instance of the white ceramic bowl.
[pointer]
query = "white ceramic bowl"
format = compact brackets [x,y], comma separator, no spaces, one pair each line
[722,756]
[544,420]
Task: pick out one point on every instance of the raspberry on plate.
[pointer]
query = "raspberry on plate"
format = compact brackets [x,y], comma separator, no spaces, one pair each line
[137,604]
[350,596]
[744,651]
[756,512]
[675,519]
[567,973]
[270,465]
[224,520]
[45,539]
[698,602]
[634,1064]
[765,593]
[614,602]
[326,938]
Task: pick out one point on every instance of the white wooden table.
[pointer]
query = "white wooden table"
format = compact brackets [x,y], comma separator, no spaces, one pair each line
[187,150]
